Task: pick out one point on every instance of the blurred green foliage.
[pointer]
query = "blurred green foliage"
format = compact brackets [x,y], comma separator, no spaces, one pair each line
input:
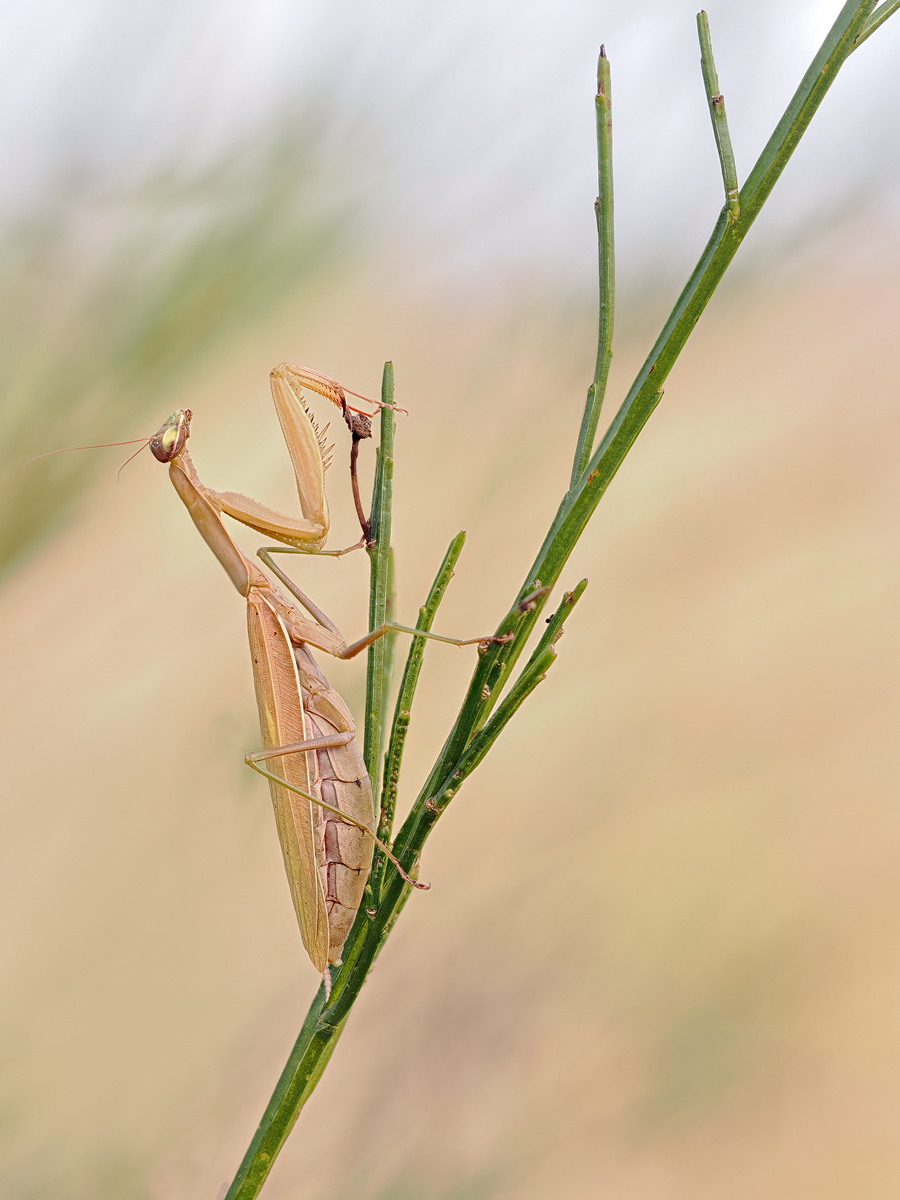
[112,296]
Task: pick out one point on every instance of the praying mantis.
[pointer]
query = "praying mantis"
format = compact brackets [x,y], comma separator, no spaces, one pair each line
[321,793]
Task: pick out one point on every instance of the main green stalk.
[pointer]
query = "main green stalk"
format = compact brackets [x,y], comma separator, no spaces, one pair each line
[475,730]
[380,653]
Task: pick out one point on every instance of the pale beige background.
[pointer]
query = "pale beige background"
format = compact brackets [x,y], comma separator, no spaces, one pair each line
[659,960]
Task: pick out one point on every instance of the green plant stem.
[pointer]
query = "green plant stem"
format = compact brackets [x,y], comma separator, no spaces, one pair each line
[603,207]
[324,1025]
[876,20]
[408,684]
[579,503]
[719,120]
[464,745]
[530,676]
[368,934]
[301,1073]
[390,653]
[379,582]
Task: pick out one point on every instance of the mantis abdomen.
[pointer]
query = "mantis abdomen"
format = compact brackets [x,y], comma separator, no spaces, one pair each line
[320,790]
[297,704]
[343,851]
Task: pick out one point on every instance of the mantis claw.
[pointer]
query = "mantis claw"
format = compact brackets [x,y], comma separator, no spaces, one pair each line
[496,639]
[528,603]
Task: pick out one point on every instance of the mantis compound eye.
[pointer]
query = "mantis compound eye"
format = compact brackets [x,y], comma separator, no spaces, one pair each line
[169,439]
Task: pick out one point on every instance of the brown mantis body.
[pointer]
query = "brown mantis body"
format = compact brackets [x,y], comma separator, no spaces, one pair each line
[320,790]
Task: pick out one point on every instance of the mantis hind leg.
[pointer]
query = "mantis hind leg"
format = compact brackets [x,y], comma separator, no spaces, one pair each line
[351,649]
[253,760]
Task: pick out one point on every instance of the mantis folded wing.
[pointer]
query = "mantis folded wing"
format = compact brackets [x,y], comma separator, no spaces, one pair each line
[320,790]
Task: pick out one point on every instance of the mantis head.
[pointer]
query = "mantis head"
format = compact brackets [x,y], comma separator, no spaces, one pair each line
[169,440]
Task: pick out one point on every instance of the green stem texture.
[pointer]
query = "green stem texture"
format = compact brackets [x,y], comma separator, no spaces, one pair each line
[603,208]
[475,731]
[379,551]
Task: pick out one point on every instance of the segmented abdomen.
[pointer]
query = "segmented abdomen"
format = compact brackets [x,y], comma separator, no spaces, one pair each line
[344,852]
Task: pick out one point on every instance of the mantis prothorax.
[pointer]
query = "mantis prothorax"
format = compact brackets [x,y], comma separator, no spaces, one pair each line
[320,790]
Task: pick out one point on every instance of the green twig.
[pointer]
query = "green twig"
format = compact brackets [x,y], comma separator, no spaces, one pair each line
[486,684]
[474,728]
[301,1073]
[370,930]
[379,585]
[407,692]
[877,19]
[322,1027]
[646,391]
[603,207]
[719,120]
[530,676]
[390,652]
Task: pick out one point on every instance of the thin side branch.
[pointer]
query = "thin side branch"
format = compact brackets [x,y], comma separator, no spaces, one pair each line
[379,654]
[877,19]
[719,121]
[580,503]
[603,207]
[387,662]
[407,692]
[530,676]
[324,1024]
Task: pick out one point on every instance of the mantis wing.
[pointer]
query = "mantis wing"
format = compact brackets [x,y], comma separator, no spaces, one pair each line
[282,721]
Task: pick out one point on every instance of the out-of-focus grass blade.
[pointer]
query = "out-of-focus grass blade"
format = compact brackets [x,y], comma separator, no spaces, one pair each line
[111,300]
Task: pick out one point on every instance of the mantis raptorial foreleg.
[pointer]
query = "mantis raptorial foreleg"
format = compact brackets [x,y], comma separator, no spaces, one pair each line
[321,792]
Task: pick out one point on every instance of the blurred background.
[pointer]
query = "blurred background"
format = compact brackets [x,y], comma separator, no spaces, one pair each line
[659,959]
